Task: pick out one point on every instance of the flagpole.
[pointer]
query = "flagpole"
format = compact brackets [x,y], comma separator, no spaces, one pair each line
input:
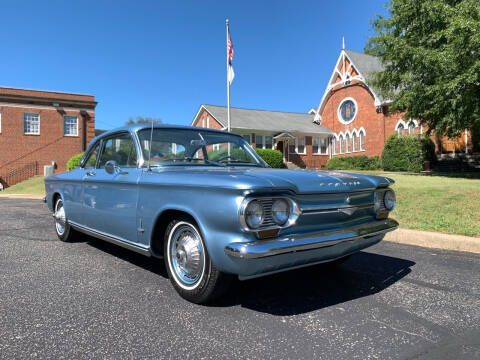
[228,82]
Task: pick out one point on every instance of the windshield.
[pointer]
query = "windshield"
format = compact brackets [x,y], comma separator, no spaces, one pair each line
[192,147]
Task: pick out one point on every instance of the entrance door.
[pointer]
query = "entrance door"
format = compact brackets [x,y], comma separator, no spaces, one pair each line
[280,147]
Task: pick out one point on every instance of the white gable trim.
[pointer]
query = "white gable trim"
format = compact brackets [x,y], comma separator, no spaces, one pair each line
[202,107]
[331,85]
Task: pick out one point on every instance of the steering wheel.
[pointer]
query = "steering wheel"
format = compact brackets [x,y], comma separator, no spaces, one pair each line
[226,157]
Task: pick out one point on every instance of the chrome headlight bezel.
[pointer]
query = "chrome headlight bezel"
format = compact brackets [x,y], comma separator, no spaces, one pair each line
[389,200]
[293,213]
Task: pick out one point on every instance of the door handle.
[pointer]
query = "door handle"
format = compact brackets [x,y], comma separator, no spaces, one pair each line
[90,173]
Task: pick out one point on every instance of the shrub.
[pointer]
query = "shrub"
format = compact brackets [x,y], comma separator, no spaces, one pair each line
[274,158]
[73,162]
[407,153]
[359,162]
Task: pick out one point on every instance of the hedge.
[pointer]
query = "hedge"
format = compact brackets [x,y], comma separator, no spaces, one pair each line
[407,153]
[274,158]
[359,162]
[73,162]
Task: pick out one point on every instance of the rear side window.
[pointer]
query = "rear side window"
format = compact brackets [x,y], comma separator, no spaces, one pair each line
[121,149]
[92,157]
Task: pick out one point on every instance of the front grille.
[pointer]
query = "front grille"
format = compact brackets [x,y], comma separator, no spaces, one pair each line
[267,212]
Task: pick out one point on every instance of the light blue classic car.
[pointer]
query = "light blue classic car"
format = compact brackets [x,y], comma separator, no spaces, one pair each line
[204,201]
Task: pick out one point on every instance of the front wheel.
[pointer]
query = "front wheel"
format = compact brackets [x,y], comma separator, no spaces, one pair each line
[62,227]
[188,264]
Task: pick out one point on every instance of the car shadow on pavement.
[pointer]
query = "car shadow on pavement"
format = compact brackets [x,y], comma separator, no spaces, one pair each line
[312,288]
[296,291]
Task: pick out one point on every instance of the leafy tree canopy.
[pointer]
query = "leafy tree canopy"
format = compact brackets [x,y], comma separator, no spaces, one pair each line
[431,53]
[143,120]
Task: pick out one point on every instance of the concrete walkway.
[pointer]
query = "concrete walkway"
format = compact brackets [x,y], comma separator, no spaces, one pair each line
[23,196]
[435,240]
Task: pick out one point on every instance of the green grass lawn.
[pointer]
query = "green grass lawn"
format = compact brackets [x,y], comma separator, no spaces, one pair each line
[437,203]
[431,203]
[33,186]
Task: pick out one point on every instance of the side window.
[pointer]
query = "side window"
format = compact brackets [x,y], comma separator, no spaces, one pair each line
[121,149]
[92,157]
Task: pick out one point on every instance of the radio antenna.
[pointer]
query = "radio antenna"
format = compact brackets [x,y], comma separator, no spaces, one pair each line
[150,148]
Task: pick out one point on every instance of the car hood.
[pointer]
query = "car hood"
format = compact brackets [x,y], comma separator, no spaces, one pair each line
[299,181]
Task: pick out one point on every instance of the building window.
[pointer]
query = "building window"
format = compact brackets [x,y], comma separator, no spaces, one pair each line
[342,144]
[347,111]
[319,146]
[347,140]
[259,141]
[334,146]
[297,147]
[354,142]
[248,138]
[362,140]
[216,147]
[208,121]
[31,124]
[70,125]
[0,123]
[268,142]
[263,141]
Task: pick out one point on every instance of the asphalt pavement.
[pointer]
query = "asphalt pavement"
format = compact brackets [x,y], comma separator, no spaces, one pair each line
[90,299]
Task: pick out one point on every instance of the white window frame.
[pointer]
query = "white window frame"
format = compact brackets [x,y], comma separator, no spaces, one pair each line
[319,147]
[263,142]
[341,141]
[334,146]
[216,147]
[362,144]
[296,146]
[76,131]
[23,119]
[348,146]
[208,121]
[339,111]
[355,140]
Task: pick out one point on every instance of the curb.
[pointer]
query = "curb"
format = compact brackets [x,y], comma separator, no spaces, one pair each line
[22,196]
[434,240]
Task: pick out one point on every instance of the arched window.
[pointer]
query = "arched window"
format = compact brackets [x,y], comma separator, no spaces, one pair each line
[334,146]
[400,129]
[347,140]
[342,144]
[362,140]
[355,141]
[412,127]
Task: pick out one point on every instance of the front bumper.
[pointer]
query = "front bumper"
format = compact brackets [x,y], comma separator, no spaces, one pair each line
[304,242]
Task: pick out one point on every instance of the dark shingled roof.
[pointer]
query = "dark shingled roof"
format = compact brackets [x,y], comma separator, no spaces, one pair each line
[275,121]
[367,65]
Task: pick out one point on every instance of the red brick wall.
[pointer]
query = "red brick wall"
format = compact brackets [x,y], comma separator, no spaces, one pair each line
[18,149]
[212,123]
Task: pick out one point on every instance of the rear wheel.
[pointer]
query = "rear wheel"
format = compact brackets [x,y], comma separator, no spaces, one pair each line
[191,272]
[62,227]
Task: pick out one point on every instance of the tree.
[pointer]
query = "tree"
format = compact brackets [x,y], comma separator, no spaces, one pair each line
[430,50]
[142,120]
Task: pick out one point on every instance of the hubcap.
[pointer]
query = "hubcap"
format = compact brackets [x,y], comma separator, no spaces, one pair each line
[60,218]
[187,254]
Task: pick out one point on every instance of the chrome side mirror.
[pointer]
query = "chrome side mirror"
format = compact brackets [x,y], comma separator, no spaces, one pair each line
[111,167]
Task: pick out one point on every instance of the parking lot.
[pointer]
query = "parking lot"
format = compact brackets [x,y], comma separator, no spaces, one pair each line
[90,299]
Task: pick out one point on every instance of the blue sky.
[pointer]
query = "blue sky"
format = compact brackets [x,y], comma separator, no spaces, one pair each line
[165,58]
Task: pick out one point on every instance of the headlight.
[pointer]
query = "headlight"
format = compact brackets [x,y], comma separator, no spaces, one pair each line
[280,211]
[389,200]
[254,214]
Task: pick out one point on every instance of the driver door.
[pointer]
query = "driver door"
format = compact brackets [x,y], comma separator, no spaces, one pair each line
[110,199]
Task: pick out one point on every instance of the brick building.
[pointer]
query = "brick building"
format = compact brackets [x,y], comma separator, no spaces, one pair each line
[41,127]
[302,142]
[351,119]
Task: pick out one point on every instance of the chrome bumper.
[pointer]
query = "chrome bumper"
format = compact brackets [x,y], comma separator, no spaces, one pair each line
[289,244]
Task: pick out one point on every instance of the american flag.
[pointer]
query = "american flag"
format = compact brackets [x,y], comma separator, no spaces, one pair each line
[231,74]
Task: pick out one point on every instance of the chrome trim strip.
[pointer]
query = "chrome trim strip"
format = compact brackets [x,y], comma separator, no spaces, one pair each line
[111,239]
[265,248]
[335,209]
